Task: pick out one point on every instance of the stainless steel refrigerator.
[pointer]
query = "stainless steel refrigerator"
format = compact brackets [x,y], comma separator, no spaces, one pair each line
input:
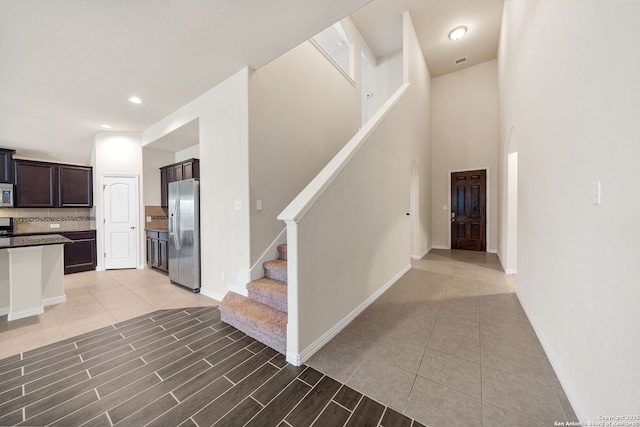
[184,233]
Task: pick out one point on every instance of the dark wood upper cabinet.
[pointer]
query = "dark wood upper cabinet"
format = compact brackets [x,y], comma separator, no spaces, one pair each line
[6,165]
[177,172]
[36,184]
[75,186]
[52,185]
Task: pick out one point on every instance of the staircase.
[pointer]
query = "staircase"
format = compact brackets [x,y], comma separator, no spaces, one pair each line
[263,315]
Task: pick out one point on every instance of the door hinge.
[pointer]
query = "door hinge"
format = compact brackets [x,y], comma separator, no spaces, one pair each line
[105,255]
[104,187]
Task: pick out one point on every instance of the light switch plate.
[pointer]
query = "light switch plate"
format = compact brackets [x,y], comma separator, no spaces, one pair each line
[258,205]
[148,219]
[445,207]
[237,205]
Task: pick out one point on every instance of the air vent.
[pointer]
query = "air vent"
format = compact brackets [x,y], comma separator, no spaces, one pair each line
[461,60]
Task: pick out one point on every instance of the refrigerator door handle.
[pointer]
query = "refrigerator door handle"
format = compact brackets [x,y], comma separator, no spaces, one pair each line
[176,223]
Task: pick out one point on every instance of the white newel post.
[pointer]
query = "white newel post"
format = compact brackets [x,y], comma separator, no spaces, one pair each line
[293,337]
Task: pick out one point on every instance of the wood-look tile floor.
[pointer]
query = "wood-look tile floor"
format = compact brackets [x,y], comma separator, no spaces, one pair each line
[175,367]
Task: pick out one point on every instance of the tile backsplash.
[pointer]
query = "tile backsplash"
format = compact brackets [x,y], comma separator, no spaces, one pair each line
[38,220]
[159,217]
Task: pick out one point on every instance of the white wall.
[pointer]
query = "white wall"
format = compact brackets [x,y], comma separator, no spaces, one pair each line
[355,238]
[115,153]
[152,161]
[381,82]
[510,264]
[302,111]
[188,153]
[223,114]
[575,101]
[465,120]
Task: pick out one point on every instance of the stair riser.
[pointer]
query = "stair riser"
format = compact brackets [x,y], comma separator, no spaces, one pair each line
[275,341]
[275,273]
[282,250]
[273,301]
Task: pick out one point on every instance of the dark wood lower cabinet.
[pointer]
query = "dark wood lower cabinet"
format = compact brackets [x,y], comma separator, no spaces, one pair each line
[158,249]
[81,254]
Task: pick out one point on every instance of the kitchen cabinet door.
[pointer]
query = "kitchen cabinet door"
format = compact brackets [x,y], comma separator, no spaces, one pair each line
[164,187]
[81,254]
[75,186]
[191,169]
[6,165]
[35,184]
[177,173]
[163,255]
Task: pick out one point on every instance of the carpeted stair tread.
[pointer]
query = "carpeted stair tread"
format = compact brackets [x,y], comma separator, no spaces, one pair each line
[263,323]
[282,250]
[276,270]
[269,292]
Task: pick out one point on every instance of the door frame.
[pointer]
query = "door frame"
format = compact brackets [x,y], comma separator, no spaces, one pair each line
[414,209]
[100,219]
[487,229]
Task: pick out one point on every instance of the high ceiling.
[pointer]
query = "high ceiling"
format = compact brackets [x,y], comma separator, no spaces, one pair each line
[68,66]
[380,23]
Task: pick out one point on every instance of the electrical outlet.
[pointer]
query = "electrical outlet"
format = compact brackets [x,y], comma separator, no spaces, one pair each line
[54,225]
[148,219]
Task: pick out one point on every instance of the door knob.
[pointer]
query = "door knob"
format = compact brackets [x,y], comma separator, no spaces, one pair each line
[132,228]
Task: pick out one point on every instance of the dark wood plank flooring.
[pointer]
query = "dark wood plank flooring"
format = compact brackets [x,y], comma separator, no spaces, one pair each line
[179,367]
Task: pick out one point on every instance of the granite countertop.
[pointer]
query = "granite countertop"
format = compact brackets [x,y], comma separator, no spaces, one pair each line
[26,241]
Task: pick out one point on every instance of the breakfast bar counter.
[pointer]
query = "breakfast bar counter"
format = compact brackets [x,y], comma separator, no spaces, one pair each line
[31,274]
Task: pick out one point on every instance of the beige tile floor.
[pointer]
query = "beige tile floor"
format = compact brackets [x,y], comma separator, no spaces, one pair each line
[449,344]
[94,300]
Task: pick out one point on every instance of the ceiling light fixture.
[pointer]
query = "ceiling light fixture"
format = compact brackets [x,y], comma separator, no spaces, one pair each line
[457,33]
[106,126]
[135,100]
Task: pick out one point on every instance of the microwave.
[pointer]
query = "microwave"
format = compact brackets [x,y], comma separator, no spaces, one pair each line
[6,195]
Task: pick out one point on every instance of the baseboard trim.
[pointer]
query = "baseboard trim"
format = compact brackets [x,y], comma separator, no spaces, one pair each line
[417,257]
[4,311]
[440,247]
[298,359]
[21,314]
[238,289]
[53,301]
[492,251]
[511,271]
[210,294]
[575,404]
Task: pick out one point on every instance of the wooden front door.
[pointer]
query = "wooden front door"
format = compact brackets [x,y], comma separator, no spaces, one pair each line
[469,210]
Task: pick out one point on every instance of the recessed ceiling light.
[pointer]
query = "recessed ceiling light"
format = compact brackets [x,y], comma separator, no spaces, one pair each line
[135,100]
[106,126]
[457,33]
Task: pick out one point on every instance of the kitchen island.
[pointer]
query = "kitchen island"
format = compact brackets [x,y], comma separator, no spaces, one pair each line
[31,274]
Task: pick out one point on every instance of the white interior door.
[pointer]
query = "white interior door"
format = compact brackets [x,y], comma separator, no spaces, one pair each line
[120,221]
